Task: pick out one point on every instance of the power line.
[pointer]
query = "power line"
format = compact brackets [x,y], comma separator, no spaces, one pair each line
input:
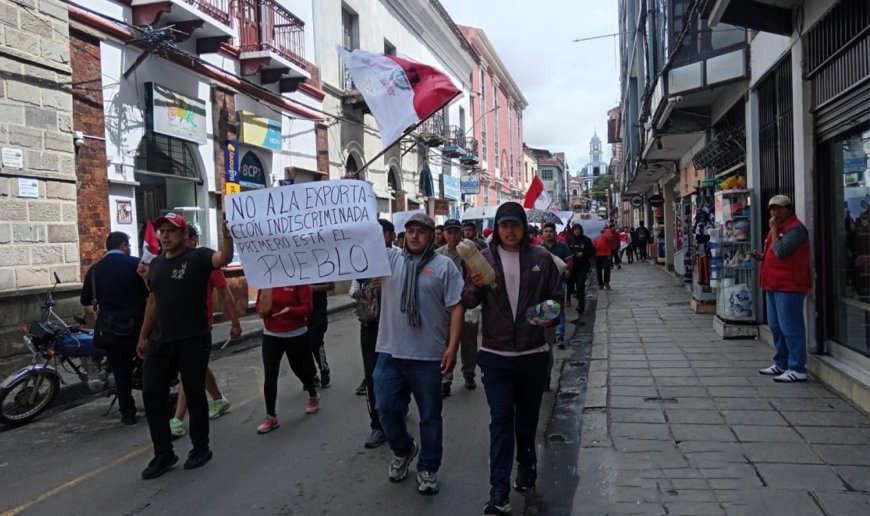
[185,54]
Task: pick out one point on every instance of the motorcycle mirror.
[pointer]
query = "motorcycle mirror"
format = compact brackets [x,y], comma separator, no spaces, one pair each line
[56,278]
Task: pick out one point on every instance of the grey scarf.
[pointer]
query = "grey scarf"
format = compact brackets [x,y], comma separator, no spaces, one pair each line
[413,266]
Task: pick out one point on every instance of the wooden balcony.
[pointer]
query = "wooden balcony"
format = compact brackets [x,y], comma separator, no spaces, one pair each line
[272,42]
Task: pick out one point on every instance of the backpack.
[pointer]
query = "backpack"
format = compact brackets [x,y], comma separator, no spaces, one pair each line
[368,306]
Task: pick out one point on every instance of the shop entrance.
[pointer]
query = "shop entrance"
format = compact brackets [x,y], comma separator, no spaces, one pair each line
[847,238]
[169,180]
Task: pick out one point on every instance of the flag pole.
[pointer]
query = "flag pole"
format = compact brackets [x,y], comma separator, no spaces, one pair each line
[406,133]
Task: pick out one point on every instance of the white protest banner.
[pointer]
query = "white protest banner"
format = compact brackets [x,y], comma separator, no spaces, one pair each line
[308,233]
[400,217]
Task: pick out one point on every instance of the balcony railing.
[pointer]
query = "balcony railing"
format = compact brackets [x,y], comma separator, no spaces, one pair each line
[432,131]
[266,25]
[454,146]
[470,157]
[217,9]
[347,84]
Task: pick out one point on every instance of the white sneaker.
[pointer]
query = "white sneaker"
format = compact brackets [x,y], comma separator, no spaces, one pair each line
[771,371]
[791,376]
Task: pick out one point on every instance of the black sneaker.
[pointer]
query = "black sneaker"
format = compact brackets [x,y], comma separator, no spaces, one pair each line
[361,390]
[129,420]
[376,438]
[316,384]
[197,458]
[498,504]
[470,384]
[524,482]
[445,390]
[324,379]
[159,465]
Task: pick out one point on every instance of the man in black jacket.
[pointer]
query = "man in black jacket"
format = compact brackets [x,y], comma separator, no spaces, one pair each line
[641,237]
[513,355]
[582,255]
[113,285]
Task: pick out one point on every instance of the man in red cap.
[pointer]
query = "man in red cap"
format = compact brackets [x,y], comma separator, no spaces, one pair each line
[175,337]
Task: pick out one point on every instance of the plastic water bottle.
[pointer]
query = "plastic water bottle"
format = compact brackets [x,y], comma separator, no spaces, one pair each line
[546,311]
[476,262]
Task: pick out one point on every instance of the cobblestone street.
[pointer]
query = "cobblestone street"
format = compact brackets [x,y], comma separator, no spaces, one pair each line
[678,421]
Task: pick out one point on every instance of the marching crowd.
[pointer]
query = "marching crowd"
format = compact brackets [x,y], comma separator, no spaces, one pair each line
[415,325]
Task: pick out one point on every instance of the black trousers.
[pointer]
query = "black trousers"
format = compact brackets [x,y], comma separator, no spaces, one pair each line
[602,269]
[120,357]
[317,327]
[188,357]
[578,284]
[298,354]
[368,339]
[642,249]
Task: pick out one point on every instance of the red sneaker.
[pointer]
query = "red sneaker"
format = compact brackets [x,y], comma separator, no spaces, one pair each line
[313,405]
[268,424]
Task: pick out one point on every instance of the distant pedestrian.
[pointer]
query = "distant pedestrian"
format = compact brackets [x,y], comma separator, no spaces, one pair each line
[642,237]
[470,328]
[439,235]
[175,338]
[513,354]
[285,312]
[368,310]
[786,278]
[561,250]
[582,257]
[603,261]
[631,250]
[613,242]
[114,289]
[469,231]
[416,348]
[318,323]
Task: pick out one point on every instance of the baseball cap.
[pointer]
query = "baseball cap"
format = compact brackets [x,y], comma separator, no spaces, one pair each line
[510,212]
[779,200]
[422,219]
[172,218]
[452,224]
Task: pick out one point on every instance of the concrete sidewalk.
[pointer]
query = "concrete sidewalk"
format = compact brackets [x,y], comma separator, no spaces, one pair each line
[678,421]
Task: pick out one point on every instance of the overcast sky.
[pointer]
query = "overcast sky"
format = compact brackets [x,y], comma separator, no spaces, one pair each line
[569,86]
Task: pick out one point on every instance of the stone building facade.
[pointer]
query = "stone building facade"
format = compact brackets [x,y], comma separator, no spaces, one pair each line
[38,191]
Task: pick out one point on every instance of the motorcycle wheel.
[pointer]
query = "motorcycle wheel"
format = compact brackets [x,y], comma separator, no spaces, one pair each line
[15,405]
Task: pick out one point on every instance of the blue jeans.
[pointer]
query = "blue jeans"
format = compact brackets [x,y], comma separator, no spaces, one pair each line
[560,329]
[514,387]
[785,317]
[395,380]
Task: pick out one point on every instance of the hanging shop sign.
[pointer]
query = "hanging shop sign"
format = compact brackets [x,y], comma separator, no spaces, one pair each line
[656,200]
[636,201]
[260,131]
[231,166]
[252,175]
[440,207]
[469,184]
[452,187]
[174,114]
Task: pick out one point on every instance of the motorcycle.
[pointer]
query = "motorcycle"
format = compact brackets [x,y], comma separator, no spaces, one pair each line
[29,391]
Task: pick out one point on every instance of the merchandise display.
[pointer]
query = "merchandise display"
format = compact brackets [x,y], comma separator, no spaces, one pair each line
[733,269]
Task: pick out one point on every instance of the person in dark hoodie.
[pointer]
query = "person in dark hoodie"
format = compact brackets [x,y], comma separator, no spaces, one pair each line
[513,354]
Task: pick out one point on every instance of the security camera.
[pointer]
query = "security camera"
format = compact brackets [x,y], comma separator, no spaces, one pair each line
[78,139]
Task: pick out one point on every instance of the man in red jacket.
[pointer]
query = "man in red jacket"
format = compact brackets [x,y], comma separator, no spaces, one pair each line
[786,278]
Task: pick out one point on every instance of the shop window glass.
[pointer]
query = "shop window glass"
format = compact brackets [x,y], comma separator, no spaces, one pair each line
[850,245]
[165,155]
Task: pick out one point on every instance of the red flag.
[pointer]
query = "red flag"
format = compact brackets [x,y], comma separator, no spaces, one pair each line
[537,197]
[398,91]
[151,247]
